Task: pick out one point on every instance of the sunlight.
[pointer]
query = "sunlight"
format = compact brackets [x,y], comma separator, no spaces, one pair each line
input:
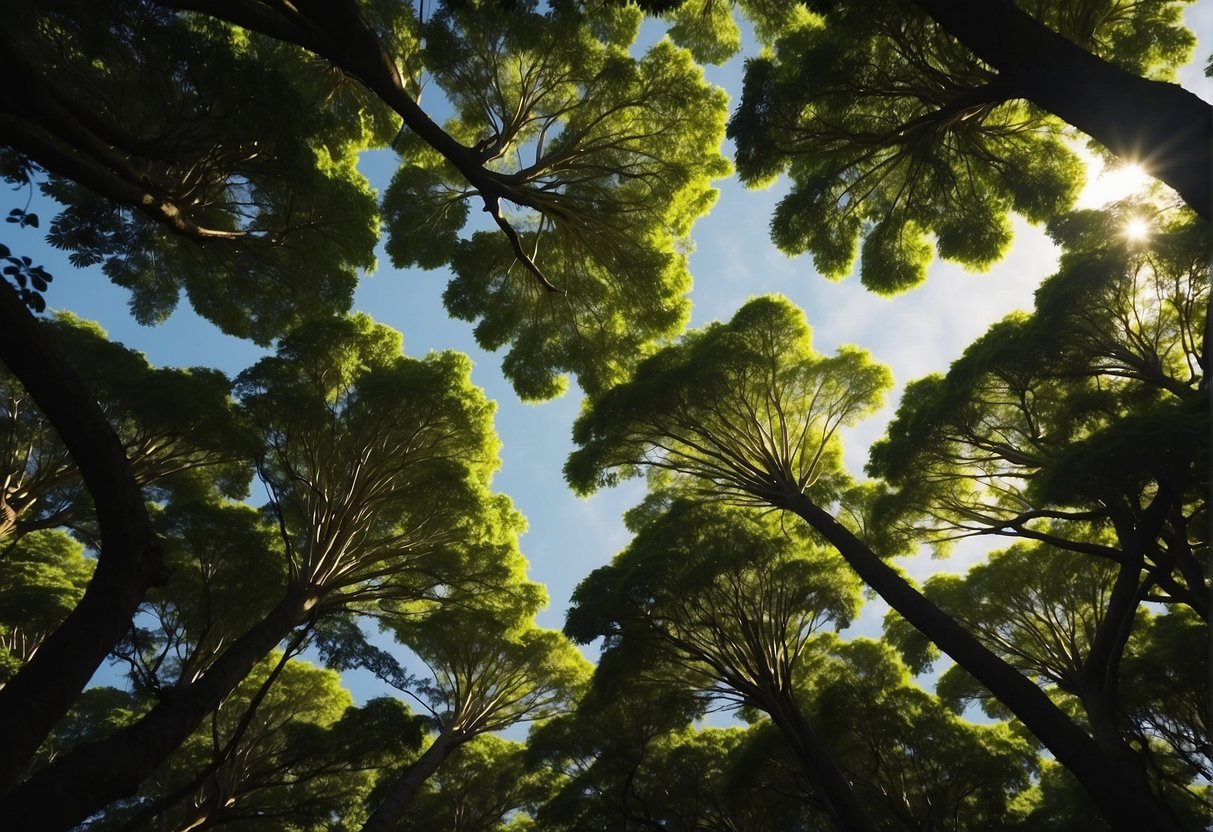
[1137,229]
[1106,185]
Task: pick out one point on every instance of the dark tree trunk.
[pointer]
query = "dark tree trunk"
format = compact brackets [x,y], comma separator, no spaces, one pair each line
[1162,127]
[129,562]
[89,778]
[393,807]
[828,782]
[1115,780]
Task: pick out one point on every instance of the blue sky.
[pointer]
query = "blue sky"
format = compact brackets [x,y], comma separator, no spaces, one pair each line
[914,334]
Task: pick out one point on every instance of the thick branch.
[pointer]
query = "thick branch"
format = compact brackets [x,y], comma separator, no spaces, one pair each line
[336,31]
[128,563]
[90,777]
[1162,127]
[1116,782]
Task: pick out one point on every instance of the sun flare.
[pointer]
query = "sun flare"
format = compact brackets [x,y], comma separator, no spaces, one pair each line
[1137,229]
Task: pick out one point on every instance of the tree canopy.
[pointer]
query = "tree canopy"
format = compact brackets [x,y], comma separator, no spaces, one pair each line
[201,570]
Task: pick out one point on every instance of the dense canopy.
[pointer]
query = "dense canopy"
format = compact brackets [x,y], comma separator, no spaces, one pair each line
[290,594]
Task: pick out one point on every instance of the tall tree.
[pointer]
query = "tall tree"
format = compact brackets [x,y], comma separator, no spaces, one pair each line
[1081,425]
[1055,616]
[379,468]
[159,428]
[727,606]
[919,126]
[172,177]
[491,668]
[750,410]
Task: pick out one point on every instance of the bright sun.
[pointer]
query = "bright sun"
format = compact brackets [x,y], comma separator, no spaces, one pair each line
[1137,229]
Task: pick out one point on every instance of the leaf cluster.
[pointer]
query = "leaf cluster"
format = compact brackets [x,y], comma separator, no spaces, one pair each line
[747,408]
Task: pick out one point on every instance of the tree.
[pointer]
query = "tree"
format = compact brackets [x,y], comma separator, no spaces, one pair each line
[165,425]
[726,606]
[253,196]
[609,159]
[484,786]
[171,177]
[157,160]
[491,668]
[1081,425]
[287,750]
[1054,615]
[912,763]
[148,148]
[379,467]
[899,120]
[618,156]
[1080,430]
[726,409]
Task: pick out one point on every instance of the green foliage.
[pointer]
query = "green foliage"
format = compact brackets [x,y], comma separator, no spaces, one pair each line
[98,712]
[606,161]
[1051,614]
[748,408]
[707,30]
[632,759]
[1062,424]
[491,668]
[1038,607]
[290,756]
[921,766]
[177,180]
[227,571]
[714,599]
[42,577]
[484,786]
[1165,691]
[177,428]
[378,465]
[1146,38]
[891,130]
[1082,427]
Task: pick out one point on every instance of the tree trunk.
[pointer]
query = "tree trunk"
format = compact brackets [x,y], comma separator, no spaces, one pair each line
[129,562]
[1116,782]
[405,788]
[828,782]
[1162,127]
[90,777]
